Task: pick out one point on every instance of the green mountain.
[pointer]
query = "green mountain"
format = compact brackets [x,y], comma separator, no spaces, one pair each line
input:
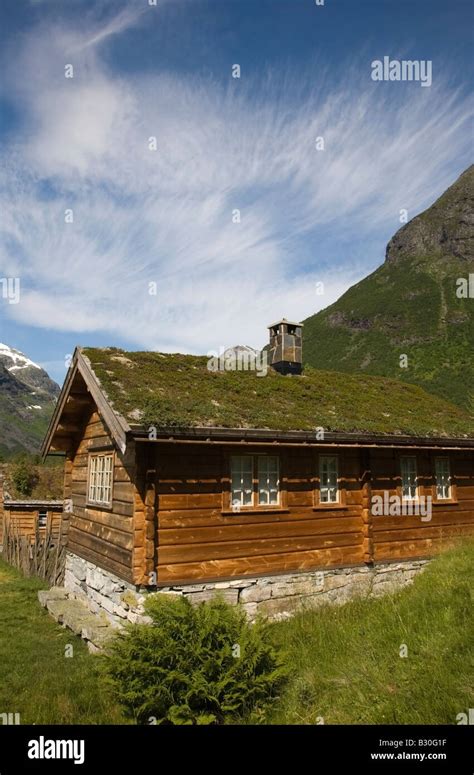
[27,397]
[417,304]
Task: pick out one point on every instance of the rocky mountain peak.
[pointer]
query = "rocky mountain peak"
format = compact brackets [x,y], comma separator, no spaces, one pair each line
[410,307]
[26,371]
[445,229]
[27,399]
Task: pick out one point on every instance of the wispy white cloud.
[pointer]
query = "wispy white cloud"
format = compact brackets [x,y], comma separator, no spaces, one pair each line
[128,17]
[166,216]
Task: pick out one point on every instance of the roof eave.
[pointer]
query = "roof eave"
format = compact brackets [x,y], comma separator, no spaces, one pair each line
[265,435]
[117,425]
[60,403]
[32,504]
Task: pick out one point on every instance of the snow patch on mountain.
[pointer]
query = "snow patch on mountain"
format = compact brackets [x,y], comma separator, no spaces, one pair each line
[19,360]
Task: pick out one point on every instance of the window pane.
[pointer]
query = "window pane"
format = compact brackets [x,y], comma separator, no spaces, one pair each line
[328,484]
[101,478]
[241,480]
[93,462]
[268,480]
[263,494]
[409,483]
[443,479]
[107,479]
[42,518]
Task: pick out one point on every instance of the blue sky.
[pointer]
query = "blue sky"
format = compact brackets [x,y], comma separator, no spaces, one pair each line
[168,216]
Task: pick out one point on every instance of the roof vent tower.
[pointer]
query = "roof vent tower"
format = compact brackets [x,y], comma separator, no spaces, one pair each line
[286,347]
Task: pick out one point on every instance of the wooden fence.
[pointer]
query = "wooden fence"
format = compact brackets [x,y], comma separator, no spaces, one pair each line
[42,555]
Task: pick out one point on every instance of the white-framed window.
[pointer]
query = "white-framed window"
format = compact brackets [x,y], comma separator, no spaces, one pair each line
[268,480]
[443,478]
[409,478]
[255,481]
[101,468]
[241,467]
[328,479]
[42,518]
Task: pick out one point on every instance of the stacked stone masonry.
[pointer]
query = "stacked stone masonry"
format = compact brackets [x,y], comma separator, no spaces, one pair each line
[275,597]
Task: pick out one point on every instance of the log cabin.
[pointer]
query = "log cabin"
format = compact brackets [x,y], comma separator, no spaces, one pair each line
[186,478]
[28,517]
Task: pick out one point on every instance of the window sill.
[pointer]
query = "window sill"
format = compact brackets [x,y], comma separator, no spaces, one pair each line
[445,502]
[257,510]
[330,506]
[100,506]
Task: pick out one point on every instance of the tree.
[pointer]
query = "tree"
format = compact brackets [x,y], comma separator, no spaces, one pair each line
[23,476]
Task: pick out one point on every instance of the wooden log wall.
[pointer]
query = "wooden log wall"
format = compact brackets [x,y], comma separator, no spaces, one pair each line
[102,535]
[145,505]
[171,513]
[402,537]
[198,540]
[24,521]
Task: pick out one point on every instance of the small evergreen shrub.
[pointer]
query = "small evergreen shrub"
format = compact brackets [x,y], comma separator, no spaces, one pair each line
[200,664]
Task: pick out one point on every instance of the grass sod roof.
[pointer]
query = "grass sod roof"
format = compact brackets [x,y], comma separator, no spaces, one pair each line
[150,388]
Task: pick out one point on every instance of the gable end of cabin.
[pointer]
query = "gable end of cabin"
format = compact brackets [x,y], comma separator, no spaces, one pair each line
[104,500]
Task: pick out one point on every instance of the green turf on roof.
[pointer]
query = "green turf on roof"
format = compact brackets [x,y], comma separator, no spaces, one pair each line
[150,388]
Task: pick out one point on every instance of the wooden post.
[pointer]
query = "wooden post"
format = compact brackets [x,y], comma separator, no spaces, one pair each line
[18,553]
[144,478]
[45,551]
[366,486]
[35,549]
[58,549]
[2,513]
[150,523]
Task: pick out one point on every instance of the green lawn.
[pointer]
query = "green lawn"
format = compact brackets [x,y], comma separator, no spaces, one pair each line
[346,661]
[37,680]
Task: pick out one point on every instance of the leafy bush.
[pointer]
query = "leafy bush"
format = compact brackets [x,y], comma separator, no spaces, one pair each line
[194,664]
[23,475]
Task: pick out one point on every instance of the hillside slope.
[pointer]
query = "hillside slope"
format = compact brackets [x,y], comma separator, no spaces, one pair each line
[410,306]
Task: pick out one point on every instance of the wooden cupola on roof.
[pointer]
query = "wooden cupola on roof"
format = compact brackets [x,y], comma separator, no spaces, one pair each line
[286,347]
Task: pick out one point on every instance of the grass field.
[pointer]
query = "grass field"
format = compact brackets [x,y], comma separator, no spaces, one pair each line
[345,661]
[37,679]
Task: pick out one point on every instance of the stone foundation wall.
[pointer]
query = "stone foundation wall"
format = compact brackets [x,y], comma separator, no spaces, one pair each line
[103,592]
[276,597]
